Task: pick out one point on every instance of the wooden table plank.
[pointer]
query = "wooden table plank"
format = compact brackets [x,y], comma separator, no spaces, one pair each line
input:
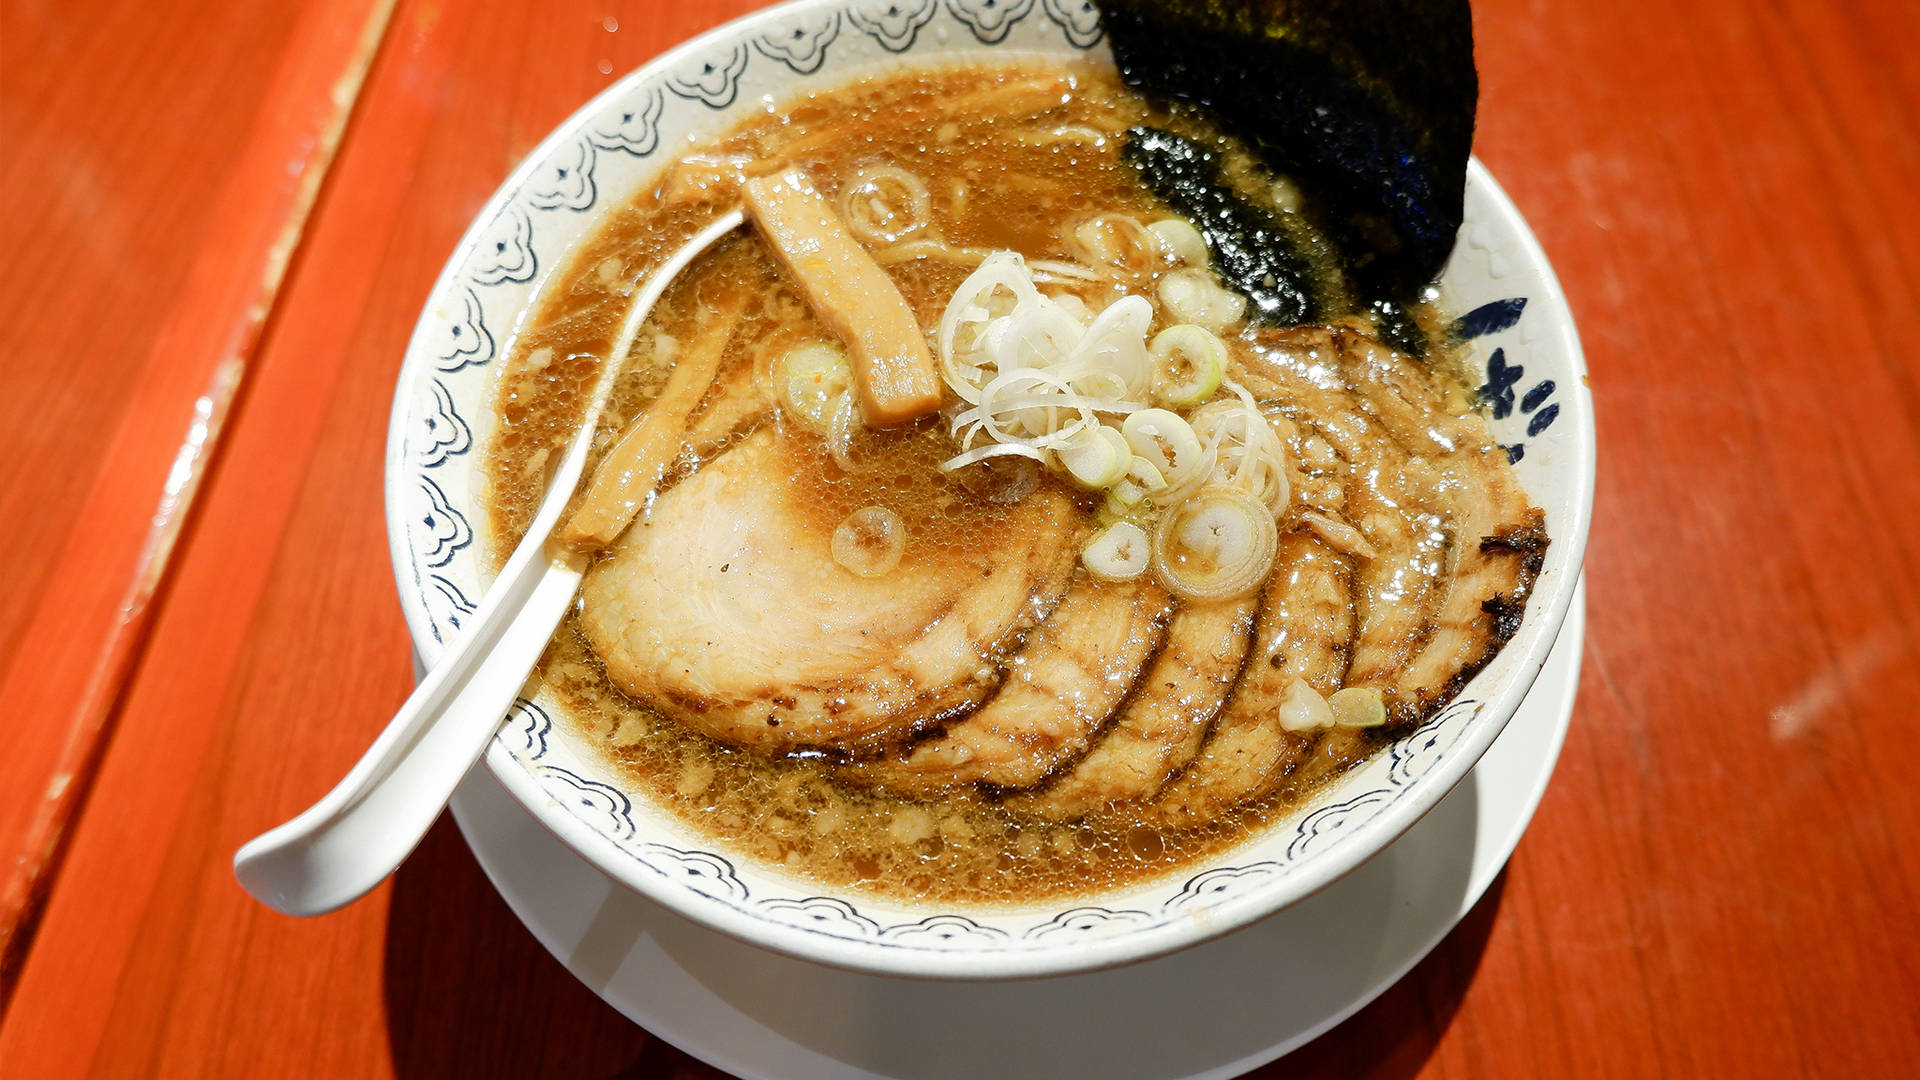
[1725,197]
[1717,880]
[152,212]
[291,540]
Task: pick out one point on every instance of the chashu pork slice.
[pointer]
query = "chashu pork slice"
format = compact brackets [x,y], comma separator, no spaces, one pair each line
[1161,727]
[1074,671]
[1305,633]
[1457,544]
[725,610]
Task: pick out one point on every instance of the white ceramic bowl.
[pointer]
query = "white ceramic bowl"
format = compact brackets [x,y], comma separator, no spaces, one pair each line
[1516,317]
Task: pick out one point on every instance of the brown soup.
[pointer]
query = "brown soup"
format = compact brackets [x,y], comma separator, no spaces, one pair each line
[1404,538]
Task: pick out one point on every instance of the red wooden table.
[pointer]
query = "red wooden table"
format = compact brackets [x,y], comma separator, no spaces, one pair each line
[221,218]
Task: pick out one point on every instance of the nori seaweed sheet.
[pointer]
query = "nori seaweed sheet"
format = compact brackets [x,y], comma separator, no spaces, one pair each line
[1367,104]
[1250,246]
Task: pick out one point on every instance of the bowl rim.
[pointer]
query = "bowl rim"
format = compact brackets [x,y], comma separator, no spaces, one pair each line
[1542,625]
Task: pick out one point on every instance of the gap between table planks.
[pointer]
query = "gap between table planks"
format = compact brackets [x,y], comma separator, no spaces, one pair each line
[110,474]
[437,130]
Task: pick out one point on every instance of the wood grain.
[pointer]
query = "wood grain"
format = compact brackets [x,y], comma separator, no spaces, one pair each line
[1721,879]
[289,538]
[152,214]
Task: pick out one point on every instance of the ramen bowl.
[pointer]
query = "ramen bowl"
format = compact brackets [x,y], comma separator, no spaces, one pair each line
[1522,349]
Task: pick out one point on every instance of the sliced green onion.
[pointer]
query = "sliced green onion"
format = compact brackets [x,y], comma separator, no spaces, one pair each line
[811,379]
[1194,295]
[1114,240]
[1119,552]
[1188,363]
[885,204]
[870,541]
[1247,453]
[1358,706]
[1123,497]
[1146,474]
[992,450]
[1182,241]
[1217,544]
[1096,456]
[1167,443]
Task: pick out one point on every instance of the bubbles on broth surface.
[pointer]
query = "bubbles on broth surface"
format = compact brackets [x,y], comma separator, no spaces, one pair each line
[790,812]
[994,181]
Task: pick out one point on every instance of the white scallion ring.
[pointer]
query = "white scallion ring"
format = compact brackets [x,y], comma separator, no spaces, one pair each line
[870,541]
[1096,457]
[1188,363]
[1166,442]
[1183,242]
[1358,706]
[1217,544]
[885,204]
[1194,295]
[812,377]
[1120,552]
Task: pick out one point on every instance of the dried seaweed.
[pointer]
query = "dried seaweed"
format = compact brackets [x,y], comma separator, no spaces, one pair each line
[1251,247]
[1368,104]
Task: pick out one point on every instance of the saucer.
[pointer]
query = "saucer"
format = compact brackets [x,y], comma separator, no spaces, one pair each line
[1215,1010]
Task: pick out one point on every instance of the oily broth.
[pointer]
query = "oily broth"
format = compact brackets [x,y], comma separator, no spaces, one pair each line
[556,359]
[965,848]
[994,182]
[898,121]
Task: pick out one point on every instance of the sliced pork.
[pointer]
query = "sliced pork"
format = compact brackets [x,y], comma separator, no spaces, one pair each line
[1305,631]
[1452,543]
[1160,728]
[725,609]
[1076,668]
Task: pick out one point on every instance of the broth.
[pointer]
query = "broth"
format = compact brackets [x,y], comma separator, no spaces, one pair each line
[1011,157]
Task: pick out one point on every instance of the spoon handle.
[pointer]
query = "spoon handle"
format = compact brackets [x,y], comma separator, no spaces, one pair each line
[341,847]
[358,833]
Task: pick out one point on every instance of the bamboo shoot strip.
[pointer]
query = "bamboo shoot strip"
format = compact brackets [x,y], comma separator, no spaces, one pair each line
[892,366]
[632,469]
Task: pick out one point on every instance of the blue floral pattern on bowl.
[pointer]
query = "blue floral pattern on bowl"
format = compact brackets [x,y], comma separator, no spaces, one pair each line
[506,250]
[803,45]
[895,24]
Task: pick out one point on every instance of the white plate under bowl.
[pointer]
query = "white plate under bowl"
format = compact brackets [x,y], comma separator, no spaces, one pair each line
[1216,1010]
[1522,345]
